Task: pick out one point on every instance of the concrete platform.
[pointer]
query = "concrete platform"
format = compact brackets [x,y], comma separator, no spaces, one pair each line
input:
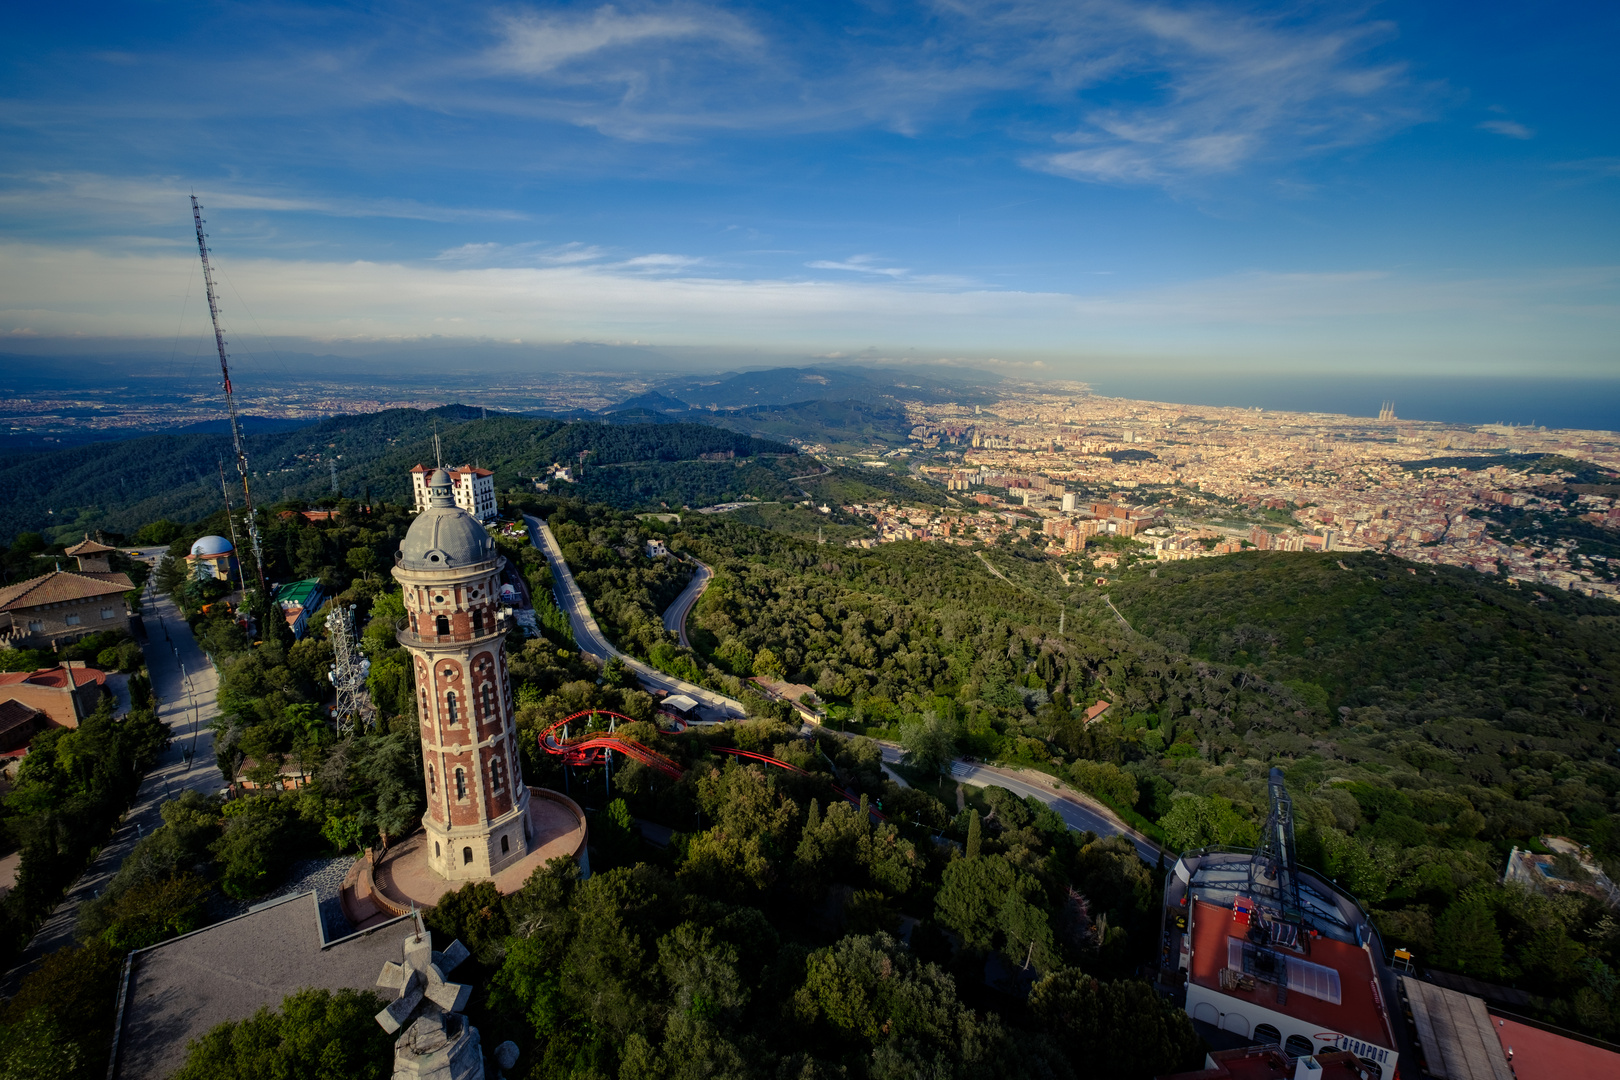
[402,880]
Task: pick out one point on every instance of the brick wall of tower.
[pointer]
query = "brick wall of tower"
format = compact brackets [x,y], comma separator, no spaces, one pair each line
[467,784]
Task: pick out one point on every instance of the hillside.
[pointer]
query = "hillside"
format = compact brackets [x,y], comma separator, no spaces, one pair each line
[120,486]
[1369,631]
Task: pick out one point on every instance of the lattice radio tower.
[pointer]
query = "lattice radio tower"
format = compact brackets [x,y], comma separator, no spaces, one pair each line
[230,399]
[353,707]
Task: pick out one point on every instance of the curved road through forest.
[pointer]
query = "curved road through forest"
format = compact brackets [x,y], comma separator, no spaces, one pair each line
[588,635]
[675,617]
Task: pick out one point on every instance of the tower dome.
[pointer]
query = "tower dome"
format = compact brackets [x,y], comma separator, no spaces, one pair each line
[444,536]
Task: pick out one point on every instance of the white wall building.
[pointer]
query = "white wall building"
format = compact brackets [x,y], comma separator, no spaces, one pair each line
[473,489]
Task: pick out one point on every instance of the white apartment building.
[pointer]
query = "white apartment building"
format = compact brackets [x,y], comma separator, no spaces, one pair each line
[473,489]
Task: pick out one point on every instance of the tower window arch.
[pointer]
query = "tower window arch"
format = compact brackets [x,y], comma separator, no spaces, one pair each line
[489,700]
[478,621]
[495,773]
[466,855]
[441,623]
[461,784]
[433,781]
[450,706]
[505,845]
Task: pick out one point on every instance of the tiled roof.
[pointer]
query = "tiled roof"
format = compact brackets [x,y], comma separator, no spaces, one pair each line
[88,546]
[14,713]
[53,676]
[60,586]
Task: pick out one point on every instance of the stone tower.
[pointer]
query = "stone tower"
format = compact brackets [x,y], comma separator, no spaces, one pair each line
[477,816]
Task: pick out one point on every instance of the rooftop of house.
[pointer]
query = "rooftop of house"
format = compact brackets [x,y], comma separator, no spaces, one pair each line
[181,988]
[14,714]
[88,546]
[1329,969]
[58,678]
[62,586]
[297,592]
[1538,1054]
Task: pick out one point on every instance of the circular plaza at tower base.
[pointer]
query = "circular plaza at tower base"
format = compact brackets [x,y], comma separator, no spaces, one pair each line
[401,880]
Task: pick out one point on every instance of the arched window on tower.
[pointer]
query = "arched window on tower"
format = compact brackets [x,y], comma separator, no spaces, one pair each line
[461,784]
[433,781]
[478,621]
[441,623]
[450,706]
[489,701]
[495,774]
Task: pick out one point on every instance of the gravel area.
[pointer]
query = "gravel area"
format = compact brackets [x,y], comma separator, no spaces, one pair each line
[325,876]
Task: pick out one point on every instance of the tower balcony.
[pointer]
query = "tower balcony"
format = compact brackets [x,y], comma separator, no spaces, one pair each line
[411,637]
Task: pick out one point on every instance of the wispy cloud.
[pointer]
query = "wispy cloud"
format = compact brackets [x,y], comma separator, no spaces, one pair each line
[1234,89]
[160,199]
[1510,128]
[536,44]
[860,264]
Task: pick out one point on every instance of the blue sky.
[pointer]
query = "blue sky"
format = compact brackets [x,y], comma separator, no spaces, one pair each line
[1313,188]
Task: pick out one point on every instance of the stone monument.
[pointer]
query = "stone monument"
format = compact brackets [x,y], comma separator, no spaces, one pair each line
[438,1043]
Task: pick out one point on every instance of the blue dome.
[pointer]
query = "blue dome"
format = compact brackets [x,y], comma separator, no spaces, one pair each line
[211,545]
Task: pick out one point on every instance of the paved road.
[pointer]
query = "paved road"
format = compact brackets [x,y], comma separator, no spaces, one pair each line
[675,617]
[187,688]
[588,635]
[1078,812]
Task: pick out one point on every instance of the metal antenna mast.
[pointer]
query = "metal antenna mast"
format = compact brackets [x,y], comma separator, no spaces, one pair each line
[230,519]
[230,397]
[349,669]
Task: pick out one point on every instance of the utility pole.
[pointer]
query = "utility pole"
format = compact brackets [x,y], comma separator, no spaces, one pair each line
[230,399]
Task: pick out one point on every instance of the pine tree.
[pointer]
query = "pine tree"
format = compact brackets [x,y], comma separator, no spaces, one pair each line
[813,821]
[973,837]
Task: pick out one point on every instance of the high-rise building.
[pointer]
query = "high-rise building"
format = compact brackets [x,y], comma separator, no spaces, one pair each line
[472,488]
[477,816]
[1069,501]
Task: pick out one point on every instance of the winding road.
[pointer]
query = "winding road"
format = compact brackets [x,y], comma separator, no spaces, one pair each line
[675,617]
[589,637]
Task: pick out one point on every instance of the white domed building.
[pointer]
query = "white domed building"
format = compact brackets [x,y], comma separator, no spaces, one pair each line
[212,558]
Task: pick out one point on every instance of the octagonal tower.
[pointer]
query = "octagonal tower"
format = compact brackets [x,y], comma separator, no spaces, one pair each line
[477,815]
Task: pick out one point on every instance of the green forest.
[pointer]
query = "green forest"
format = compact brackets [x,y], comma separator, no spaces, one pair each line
[1427,719]
[121,486]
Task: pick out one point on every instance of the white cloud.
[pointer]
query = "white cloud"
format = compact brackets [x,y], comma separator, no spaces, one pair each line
[1379,317]
[1509,128]
[541,44]
[860,264]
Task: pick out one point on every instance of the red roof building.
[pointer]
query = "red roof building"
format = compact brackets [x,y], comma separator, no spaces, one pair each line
[473,490]
[65,694]
[61,607]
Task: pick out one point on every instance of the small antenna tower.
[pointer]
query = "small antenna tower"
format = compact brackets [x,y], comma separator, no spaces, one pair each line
[353,706]
[230,519]
[230,397]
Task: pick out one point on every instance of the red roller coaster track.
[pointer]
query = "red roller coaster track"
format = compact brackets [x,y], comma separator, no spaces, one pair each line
[592,749]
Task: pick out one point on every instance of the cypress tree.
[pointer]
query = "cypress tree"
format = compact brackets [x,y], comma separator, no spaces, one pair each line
[973,838]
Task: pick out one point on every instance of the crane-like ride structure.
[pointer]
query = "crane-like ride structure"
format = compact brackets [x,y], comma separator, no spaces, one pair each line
[230,405]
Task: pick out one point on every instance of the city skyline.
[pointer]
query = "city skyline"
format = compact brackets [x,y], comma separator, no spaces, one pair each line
[1031,187]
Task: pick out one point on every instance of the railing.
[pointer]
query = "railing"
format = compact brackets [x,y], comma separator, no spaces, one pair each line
[405,634]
